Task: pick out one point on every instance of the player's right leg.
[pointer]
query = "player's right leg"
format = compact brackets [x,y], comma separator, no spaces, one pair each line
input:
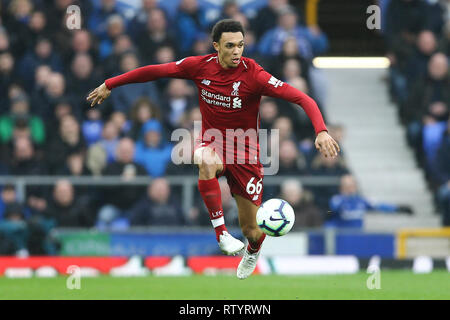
[210,166]
[247,219]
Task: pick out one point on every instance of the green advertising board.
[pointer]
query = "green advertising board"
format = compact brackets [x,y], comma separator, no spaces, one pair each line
[85,243]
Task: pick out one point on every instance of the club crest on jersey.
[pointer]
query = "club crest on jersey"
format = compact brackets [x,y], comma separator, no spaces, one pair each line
[235,91]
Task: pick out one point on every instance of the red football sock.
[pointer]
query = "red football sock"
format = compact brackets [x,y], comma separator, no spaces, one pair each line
[210,192]
[254,247]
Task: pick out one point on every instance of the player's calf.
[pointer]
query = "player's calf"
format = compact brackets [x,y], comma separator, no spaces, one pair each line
[209,165]
[211,195]
[254,236]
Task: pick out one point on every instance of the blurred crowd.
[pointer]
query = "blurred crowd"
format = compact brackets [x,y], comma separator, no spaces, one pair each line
[47,127]
[417,37]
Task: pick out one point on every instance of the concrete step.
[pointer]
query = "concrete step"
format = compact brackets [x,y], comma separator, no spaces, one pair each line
[364,111]
[365,116]
[415,194]
[391,150]
[373,190]
[375,145]
[343,112]
[365,155]
[368,134]
[392,222]
[357,143]
[394,182]
[369,123]
[373,164]
[396,175]
[348,104]
[380,133]
[403,197]
[370,186]
[381,167]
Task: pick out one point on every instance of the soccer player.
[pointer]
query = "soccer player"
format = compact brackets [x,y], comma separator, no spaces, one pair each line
[230,87]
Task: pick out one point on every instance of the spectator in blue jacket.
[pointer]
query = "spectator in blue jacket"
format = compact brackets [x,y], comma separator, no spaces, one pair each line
[311,41]
[13,229]
[266,18]
[190,22]
[138,23]
[92,126]
[124,97]
[157,207]
[349,207]
[110,140]
[151,152]
[98,20]
[158,33]
[442,172]
[115,28]
[442,160]
[7,196]
[42,53]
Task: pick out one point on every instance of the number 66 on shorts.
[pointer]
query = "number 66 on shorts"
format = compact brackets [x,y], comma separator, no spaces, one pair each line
[254,188]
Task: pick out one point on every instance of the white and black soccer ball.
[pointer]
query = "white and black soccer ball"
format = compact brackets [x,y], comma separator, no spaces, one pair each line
[275,217]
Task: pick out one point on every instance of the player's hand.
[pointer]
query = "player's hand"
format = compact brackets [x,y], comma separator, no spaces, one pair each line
[98,95]
[327,145]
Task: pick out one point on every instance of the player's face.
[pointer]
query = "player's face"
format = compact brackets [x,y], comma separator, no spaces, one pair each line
[230,48]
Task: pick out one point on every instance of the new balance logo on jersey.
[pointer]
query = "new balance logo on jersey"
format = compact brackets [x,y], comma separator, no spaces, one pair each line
[235,91]
[237,103]
[275,82]
[206,82]
[179,61]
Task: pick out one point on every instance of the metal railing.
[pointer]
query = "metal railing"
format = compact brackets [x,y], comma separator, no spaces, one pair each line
[186,182]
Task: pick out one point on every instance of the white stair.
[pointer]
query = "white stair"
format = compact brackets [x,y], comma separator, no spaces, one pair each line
[375,147]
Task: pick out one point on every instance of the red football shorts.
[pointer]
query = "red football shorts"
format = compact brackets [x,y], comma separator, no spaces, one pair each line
[245,180]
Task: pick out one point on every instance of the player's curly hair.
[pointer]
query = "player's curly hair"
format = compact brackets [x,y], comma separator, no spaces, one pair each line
[225,25]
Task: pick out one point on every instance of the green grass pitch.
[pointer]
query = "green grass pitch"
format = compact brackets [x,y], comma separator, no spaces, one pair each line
[395,285]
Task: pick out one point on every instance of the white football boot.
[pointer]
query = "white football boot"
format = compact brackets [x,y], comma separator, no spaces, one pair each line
[247,264]
[230,245]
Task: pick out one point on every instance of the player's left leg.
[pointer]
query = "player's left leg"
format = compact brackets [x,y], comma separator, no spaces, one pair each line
[210,166]
[247,219]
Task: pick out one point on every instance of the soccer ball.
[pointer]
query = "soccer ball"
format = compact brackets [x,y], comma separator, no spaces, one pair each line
[275,217]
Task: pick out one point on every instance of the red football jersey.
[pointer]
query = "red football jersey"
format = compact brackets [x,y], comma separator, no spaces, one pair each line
[228,98]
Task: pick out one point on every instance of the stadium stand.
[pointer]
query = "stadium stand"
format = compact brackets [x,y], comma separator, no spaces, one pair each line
[416,34]
[48,129]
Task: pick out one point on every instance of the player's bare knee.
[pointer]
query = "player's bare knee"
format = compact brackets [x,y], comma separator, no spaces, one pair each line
[208,162]
[206,156]
[207,171]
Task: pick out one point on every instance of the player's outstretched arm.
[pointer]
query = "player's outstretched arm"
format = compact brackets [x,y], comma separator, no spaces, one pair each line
[185,69]
[326,145]
[98,95]
[271,86]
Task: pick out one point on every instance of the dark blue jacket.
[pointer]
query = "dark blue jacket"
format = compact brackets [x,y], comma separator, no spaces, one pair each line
[347,211]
